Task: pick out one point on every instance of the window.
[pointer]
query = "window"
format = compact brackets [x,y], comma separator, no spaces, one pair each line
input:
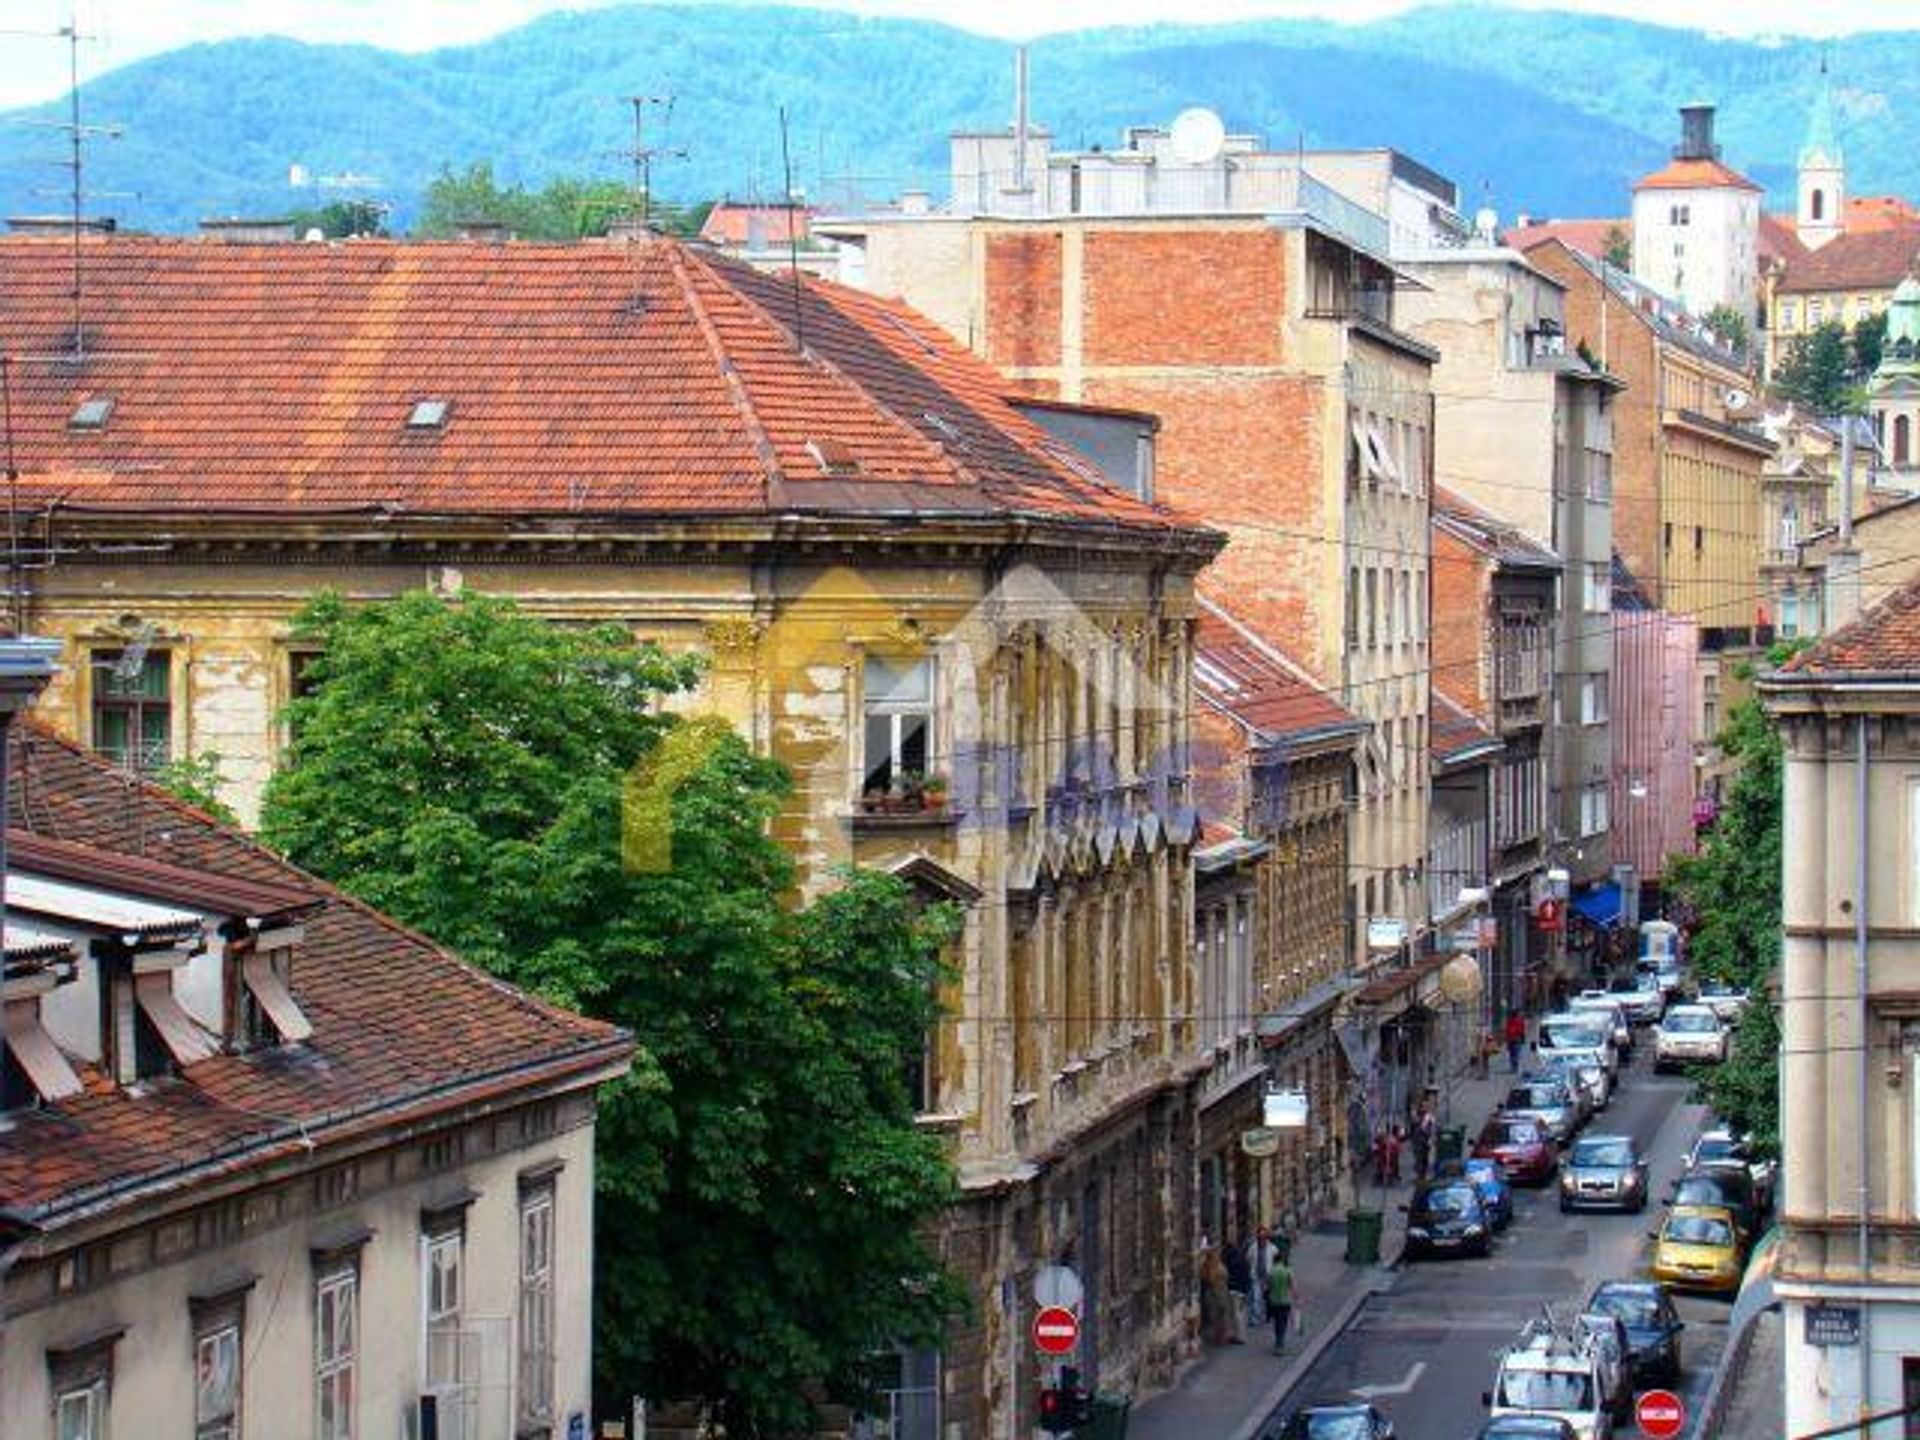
[1599,475]
[1819,203]
[133,707]
[1353,607]
[906,1391]
[1816,312]
[1373,608]
[899,721]
[1910,1395]
[335,1323]
[535,1340]
[1789,314]
[1680,215]
[441,1285]
[1599,596]
[1789,614]
[1699,539]
[1902,439]
[216,1379]
[80,1412]
[1593,809]
[1594,698]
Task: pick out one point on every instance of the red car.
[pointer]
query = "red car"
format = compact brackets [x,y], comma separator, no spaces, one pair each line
[1522,1146]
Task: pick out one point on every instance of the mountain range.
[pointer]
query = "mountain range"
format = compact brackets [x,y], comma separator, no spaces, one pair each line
[1540,111]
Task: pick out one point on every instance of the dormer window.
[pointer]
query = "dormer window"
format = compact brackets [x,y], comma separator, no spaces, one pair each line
[91,414]
[265,1012]
[35,1069]
[834,457]
[429,414]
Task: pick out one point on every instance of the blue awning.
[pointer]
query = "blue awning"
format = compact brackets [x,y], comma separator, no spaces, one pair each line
[1599,906]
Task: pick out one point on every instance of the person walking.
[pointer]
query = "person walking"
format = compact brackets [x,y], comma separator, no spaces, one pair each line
[1239,1284]
[1216,1325]
[1516,1039]
[1422,1142]
[1280,1302]
[1260,1257]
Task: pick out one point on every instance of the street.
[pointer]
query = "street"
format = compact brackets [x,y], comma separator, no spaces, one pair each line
[1425,1350]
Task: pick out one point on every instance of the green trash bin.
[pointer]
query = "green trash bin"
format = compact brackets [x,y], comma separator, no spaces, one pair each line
[1450,1144]
[1363,1237]
[1109,1420]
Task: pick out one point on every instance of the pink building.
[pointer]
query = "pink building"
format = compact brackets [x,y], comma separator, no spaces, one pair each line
[1654,706]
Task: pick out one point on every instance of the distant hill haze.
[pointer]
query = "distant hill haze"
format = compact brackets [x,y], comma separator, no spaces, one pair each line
[1549,113]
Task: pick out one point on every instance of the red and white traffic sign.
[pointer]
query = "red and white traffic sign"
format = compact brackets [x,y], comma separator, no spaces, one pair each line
[1661,1414]
[1056,1330]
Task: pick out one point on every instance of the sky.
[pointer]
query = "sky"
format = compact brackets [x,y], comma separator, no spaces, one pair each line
[34,68]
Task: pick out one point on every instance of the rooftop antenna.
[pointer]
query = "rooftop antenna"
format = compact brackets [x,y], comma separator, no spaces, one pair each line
[793,239]
[642,155]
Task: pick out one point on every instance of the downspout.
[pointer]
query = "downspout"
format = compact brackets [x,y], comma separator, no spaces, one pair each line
[1862,884]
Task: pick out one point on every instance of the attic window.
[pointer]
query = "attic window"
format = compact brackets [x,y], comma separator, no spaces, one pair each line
[91,414]
[429,415]
[834,457]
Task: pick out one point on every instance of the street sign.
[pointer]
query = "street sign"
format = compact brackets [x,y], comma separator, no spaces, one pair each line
[1833,1325]
[1260,1143]
[1056,1331]
[1549,915]
[1058,1287]
[1386,934]
[1284,1110]
[1661,1414]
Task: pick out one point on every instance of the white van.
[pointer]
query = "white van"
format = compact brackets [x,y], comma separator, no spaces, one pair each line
[1547,1373]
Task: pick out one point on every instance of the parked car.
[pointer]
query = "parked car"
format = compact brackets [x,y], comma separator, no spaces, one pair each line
[1723,1147]
[1689,1034]
[1604,1170]
[1604,1005]
[1653,1325]
[1338,1422]
[1557,1375]
[1607,1338]
[1527,1427]
[1486,1176]
[1550,1100]
[1728,1186]
[1726,1001]
[1569,1032]
[1698,1248]
[1446,1217]
[1521,1145]
[1591,1085]
[1640,995]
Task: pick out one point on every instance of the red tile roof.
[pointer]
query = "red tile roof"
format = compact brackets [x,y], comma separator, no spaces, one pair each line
[1590,237]
[1876,259]
[1245,676]
[1878,212]
[1779,241]
[401,1028]
[1883,641]
[1486,533]
[1455,731]
[1694,175]
[644,378]
[728,223]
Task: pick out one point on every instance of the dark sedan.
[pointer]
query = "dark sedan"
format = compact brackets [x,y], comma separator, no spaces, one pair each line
[1522,1146]
[1728,1186]
[1527,1427]
[1604,1171]
[1446,1217]
[1653,1325]
[1338,1422]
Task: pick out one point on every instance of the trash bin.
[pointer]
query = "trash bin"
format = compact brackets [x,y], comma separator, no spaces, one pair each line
[1109,1420]
[1363,1237]
[1450,1144]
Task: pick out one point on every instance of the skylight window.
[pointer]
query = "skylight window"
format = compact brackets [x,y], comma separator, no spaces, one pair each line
[429,414]
[91,414]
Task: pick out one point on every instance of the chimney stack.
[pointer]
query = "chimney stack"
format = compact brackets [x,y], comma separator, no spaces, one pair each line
[1696,133]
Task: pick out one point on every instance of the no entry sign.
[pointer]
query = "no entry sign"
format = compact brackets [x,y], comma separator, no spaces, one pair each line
[1661,1414]
[1056,1330]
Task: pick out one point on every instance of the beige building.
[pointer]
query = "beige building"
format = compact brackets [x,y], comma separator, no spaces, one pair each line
[272,1166]
[1848,1264]
[894,576]
[1250,307]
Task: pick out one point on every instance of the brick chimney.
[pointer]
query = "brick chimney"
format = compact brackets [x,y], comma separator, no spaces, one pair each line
[1696,133]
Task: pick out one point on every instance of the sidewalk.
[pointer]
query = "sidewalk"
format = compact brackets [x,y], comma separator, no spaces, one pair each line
[1229,1392]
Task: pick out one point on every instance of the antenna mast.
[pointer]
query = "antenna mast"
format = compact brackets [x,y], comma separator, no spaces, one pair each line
[793,240]
[642,155]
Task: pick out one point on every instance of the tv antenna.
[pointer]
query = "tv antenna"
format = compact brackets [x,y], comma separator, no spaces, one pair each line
[641,155]
[74,164]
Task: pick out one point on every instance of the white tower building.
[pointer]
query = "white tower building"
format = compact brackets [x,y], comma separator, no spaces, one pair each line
[1822,214]
[1696,225]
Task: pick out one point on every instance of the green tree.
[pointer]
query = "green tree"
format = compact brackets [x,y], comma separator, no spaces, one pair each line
[565,209]
[341,219]
[1619,248]
[1729,324]
[196,779]
[1869,338]
[1818,371]
[512,789]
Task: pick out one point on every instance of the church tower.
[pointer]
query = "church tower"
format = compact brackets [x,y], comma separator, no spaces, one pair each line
[1823,175]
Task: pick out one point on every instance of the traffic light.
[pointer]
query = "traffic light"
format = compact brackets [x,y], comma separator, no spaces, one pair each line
[1065,1407]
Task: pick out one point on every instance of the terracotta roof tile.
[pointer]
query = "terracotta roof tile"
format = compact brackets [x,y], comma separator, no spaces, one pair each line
[648,378]
[730,223]
[1488,534]
[1455,730]
[1694,175]
[1877,259]
[401,1027]
[1884,641]
[1590,237]
[1245,676]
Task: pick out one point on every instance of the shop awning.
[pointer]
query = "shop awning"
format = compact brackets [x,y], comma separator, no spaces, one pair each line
[1599,906]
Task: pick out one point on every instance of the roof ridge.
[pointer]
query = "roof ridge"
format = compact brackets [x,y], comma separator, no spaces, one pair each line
[1812,661]
[729,372]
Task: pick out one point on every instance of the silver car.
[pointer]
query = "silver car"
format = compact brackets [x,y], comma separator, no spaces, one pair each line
[1607,1007]
[1548,1099]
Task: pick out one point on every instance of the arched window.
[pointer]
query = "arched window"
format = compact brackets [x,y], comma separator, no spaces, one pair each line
[1819,205]
[1901,439]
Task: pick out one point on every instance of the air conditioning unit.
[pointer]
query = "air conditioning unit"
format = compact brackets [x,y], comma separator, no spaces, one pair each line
[442,1414]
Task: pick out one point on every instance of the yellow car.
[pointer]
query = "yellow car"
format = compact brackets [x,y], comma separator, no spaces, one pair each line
[1698,1248]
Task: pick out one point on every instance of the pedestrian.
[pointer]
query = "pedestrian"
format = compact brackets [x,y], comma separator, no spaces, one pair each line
[1396,1138]
[1260,1257]
[1239,1284]
[1516,1039]
[1280,1302]
[1426,1127]
[1216,1326]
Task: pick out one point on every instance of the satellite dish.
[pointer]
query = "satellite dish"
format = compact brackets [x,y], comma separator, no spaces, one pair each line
[1198,136]
[1735,398]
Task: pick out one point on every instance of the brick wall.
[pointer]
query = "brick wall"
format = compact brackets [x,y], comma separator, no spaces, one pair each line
[1460,632]
[1184,297]
[1023,298]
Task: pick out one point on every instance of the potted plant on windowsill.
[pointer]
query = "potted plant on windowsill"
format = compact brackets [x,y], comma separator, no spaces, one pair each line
[933,792]
[873,801]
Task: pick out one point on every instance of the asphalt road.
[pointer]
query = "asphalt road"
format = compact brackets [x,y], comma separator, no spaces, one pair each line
[1427,1348]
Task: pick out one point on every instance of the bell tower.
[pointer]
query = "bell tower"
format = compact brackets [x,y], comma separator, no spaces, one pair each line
[1822,214]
